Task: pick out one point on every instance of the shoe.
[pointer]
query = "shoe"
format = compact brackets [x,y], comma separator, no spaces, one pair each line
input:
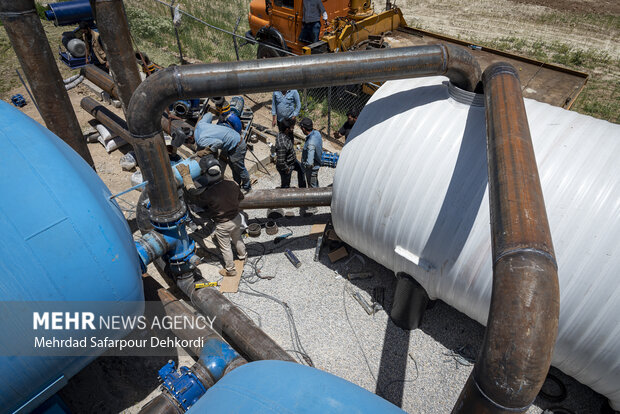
[246,190]
[243,257]
[229,273]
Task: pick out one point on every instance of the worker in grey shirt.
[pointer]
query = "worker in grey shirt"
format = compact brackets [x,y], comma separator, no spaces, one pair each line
[284,105]
[313,11]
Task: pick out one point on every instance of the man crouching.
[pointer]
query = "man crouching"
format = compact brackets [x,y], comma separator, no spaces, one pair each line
[220,199]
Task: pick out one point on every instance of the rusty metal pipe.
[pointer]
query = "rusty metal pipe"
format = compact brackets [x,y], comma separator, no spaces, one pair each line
[100,78]
[116,38]
[525,302]
[238,330]
[118,126]
[221,79]
[27,36]
[109,119]
[287,197]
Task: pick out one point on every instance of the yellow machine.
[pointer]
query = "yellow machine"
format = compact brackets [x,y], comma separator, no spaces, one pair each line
[351,24]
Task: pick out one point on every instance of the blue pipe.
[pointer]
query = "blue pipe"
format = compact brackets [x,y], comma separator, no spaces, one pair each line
[69,12]
[170,240]
[186,386]
[216,357]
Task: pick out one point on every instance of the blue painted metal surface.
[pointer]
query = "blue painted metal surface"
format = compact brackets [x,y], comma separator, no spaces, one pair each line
[184,386]
[216,355]
[18,100]
[329,159]
[194,169]
[69,12]
[285,387]
[63,239]
[181,246]
[232,121]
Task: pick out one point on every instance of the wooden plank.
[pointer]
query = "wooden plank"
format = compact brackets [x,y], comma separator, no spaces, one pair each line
[316,230]
[338,254]
[230,284]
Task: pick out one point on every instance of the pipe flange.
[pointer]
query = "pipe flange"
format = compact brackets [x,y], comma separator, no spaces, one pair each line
[254,230]
[271,227]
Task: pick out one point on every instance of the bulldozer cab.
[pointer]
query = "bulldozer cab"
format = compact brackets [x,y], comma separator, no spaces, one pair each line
[279,22]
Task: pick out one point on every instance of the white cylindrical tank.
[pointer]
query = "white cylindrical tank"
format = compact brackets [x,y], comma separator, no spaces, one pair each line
[411,192]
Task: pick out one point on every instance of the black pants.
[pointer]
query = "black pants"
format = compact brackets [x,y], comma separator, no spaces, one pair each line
[286,177]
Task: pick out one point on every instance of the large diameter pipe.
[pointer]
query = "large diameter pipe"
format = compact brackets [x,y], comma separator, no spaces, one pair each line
[239,330]
[100,78]
[231,78]
[24,28]
[287,198]
[116,38]
[525,302]
[109,119]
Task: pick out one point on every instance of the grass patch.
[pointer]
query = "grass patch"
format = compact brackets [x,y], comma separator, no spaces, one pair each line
[602,21]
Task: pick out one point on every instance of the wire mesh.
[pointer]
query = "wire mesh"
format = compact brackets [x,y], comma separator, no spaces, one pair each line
[187,31]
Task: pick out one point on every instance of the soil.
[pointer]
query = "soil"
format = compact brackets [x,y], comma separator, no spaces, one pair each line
[583,6]
[564,21]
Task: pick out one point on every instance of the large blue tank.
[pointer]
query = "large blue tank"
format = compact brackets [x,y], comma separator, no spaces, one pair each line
[274,387]
[62,240]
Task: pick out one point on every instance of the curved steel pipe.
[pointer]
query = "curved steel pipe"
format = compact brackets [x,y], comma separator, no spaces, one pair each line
[287,197]
[22,24]
[525,302]
[231,78]
[116,38]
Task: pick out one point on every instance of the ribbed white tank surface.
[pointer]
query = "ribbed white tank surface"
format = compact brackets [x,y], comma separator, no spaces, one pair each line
[411,192]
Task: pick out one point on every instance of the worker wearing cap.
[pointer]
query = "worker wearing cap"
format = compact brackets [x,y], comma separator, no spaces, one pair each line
[311,19]
[284,105]
[286,160]
[311,154]
[220,199]
[224,138]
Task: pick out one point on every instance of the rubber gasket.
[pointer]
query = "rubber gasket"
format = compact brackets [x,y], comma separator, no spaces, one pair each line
[271,227]
[254,230]
[554,397]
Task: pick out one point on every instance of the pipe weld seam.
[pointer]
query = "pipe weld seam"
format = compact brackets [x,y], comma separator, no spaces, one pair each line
[497,405]
[18,13]
[539,252]
[446,57]
[500,68]
[147,136]
[176,74]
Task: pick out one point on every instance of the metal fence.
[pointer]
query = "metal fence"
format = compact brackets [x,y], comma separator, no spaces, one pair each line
[195,36]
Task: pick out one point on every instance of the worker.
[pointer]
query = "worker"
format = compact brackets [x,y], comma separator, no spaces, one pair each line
[312,152]
[220,199]
[313,11]
[348,124]
[211,138]
[286,160]
[284,105]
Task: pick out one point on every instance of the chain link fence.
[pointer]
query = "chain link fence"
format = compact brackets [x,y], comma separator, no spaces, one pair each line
[186,31]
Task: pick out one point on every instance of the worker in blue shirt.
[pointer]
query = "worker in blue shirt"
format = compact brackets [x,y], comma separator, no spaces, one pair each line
[311,154]
[212,137]
[284,105]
